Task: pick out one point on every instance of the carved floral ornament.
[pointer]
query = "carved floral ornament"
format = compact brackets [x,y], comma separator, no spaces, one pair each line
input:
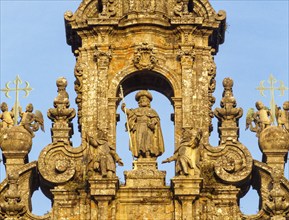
[144,57]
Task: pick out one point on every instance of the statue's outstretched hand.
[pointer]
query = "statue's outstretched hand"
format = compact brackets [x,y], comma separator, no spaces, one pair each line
[166,161]
[123,106]
[120,162]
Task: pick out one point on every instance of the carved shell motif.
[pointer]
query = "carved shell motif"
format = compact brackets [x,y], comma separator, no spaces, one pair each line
[144,57]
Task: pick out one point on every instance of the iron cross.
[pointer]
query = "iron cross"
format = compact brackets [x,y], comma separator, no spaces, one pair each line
[272,90]
[17,89]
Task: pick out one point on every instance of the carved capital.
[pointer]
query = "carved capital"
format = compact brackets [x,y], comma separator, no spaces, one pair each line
[102,58]
[144,57]
[186,54]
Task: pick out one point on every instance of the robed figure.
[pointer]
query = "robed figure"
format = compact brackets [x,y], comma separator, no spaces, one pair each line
[143,123]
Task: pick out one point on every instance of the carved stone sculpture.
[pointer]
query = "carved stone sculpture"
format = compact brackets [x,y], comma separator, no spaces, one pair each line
[283,116]
[31,121]
[186,155]
[108,8]
[262,118]
[102,157]
[181,8]
[144,127]
[6,117]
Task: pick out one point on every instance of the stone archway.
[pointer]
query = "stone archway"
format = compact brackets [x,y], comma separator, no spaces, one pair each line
[159,79]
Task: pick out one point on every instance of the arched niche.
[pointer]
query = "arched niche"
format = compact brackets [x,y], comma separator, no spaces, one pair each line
[147,79]
[161,81]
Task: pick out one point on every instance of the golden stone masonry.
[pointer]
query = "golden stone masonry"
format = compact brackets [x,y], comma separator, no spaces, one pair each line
[123,46]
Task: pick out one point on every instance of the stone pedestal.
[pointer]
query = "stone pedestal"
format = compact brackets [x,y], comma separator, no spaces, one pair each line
[103,187]
[145,174]
[186,185]
[228,134]
[225,199]
[275,158]
[144,191]
[102,191]
[61,134]
[274,144]
[186,189]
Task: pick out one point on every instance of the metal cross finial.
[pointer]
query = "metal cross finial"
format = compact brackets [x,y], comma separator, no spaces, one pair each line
[17,89]
[272,89]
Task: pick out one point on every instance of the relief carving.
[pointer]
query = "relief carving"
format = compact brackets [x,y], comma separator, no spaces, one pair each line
[181,8]
[102,58]
[109,8]
[144,57]
[11,206]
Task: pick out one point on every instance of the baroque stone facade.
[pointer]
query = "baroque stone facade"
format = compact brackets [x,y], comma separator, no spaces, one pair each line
[123,46]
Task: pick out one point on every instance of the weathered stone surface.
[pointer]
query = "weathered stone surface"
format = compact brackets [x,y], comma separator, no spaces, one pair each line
[125,46]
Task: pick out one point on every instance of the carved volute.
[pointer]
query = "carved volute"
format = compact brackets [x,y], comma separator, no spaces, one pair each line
[125,46]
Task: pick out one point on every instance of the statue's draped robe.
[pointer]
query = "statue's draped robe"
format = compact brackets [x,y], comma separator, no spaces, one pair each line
[102,154]
[143,138]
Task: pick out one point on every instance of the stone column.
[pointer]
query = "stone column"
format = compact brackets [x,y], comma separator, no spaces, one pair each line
[186,59]
[112,120]
[177,120]
[102,57]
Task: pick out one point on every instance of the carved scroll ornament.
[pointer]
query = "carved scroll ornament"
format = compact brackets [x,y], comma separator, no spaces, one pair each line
[232,163]
[57,162]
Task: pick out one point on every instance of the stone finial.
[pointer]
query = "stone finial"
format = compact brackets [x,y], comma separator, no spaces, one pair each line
[61,114]
[228,115]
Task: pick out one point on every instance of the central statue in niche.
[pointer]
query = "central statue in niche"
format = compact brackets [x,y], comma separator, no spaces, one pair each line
[143,124]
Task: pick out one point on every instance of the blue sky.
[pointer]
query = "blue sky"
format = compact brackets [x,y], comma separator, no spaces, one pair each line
[33,45]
